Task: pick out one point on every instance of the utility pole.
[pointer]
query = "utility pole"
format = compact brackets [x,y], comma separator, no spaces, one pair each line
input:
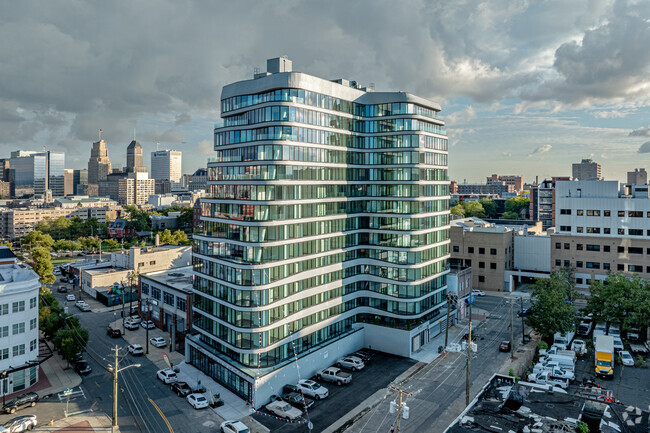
[523,333]
[469,360]
[512,330]
[401,393]
[115,428]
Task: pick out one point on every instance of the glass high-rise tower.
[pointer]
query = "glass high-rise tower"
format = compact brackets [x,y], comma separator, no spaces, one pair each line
[326,228]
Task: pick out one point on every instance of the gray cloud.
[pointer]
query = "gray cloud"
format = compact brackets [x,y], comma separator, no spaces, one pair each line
[541,149]
[645,147]
[641,132]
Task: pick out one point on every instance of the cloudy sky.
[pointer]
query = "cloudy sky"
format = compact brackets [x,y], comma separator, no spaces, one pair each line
[527,87]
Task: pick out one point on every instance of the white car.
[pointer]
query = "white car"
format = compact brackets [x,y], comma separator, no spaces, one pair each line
[136,350]
[198,401]
[135,319]
[284,410]
[476,292]
[130,324]
[167,376]
[313,389]
[148,324]
[234,426]
[627,359]
[71,298]
[618,344]
[19,424]
[85,307]
[351,362]
[79,303]
[579,347]
[158,341]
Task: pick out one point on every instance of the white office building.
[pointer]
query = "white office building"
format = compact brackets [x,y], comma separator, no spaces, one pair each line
[326,229]
[167,165]
[19,354]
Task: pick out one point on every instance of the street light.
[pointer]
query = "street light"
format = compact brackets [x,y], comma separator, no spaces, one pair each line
[116,370]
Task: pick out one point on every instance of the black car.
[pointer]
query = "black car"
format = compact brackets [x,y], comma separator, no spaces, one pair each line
[525,312]
[474,336]
[296,399]
[22,401]
[62,289]
[82,367]
[113,332]
[505,346]
[182,389]
[362,355]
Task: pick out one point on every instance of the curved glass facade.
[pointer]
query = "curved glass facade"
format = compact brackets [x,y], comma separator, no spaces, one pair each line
[324,213]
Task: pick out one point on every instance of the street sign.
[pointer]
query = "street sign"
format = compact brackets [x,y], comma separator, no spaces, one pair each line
[67,392]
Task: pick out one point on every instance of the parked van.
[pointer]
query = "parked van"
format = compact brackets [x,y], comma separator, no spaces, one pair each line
[599,329]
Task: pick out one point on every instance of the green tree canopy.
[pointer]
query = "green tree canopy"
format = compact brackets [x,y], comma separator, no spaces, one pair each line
[43,265]
[510,215]
[138,219]
[517,205]
[551,310]
[458,210]
[180,237]
[621,300]
[489,207]
[111,244]
[36,239]
[66,245]
[474,209]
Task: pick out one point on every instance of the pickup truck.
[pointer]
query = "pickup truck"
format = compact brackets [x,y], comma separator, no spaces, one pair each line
[555,350]
[334,375]
[556,372]
[545,378]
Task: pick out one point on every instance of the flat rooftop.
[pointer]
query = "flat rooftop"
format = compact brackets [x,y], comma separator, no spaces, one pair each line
[506,406]
[15,274]
[175,278]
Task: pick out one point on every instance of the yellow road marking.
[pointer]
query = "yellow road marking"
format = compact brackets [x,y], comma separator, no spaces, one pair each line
[169,426]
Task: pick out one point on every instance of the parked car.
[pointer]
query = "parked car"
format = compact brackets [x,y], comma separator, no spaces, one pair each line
[79,303]
[82,367]
[618,344]
[633,334]
[197,401]
[474,336]
[19,424]
[130,324]
[167,376]
[351,362]
[477,292]
[362,355]
[505,346]
[22,401]
[71,298]
[233,426]
[136,350]
[135,319]
[626,358]
[85,307]
[181,389]
[62,289]
[313,389]
[284,410]
[158,341]
[147,324]
[579,347]
[525,312]
[334,375]
[113,332]
[296,399]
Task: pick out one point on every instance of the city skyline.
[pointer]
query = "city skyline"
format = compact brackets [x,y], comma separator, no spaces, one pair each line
[554,85]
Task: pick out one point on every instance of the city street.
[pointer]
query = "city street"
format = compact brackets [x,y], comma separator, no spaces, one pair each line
[438,390]
[143,400]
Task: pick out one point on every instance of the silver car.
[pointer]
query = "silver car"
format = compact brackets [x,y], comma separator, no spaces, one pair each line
[19,424]
[350,362]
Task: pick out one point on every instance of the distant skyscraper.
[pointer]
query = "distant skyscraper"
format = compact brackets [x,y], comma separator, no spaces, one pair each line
[80,181]
[69,181]
[166,165]
[99,166]
[134,158]
[586,170]
[35,173]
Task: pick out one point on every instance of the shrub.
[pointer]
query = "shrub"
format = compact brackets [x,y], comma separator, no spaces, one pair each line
[640,362]
[511,373]
[542,345]
[582,427]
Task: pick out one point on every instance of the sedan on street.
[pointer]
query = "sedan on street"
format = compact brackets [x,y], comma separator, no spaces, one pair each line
[283,410]
[627,359]
[158,341]
[505,346]
[70,298]
[147,324]
[197,401]
[19,424]
[233,426]
[136,350]
[22,401]
[167,376]
[181,389]
[477,292]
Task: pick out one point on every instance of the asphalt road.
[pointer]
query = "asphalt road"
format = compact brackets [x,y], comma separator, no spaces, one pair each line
[438,390]
[138,391]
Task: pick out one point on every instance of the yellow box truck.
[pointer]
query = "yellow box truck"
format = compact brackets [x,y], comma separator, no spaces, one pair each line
[605,356]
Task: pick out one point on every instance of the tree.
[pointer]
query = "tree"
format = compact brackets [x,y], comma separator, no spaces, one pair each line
[490,207]
[166,237]
[138,219]
[60,227]
[35,239]
[111,244]
[89,243]
[458,210]
[180,238]
[43,265]
[516,205]
[551,311]
[474,209]
[509,216]
[621,300]
[65,245]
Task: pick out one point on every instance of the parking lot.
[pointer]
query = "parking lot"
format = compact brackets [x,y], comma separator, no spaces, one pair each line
[377,374]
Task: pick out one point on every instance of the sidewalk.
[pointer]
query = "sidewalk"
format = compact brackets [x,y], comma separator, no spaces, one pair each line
[59,375]
[80,424]
[139,336]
